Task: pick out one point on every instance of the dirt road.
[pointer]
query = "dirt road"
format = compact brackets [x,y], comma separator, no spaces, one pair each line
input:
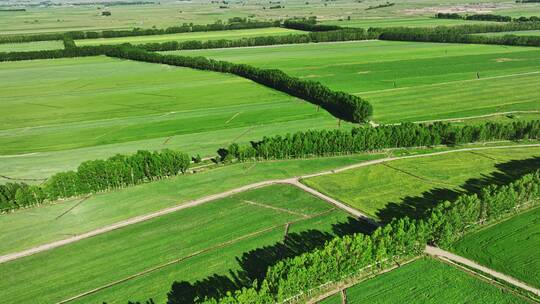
[293,181]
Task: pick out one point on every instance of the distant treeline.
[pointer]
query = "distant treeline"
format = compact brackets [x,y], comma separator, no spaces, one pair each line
[362,139]
[340,104]
[68,52]
[360,255]
[309,24]
[12,10]
[232,24]
[461,34]
[313,37]
[527,1]
[486,17]
[387,4]
[94,176]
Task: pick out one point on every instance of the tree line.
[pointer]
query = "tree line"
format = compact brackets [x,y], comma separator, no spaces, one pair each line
[361,255]
[312,37]
[361,139]
[461,34]
[94,176]
[309,24]
[486,17]
[121,171]
[70,52]
[340,104]
[232,24]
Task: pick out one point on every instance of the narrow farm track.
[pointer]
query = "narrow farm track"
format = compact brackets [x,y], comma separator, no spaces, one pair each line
[453,258]
[293,181]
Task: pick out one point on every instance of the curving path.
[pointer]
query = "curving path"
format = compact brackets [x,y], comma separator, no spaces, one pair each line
[293,181]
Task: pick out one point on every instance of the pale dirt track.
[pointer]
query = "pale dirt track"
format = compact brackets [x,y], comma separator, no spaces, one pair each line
[448,256]
[293,181]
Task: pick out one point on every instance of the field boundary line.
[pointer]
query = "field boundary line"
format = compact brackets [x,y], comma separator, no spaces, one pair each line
[445,255]
[192,203]
[449,82]
[193,254]
[275,208]
[481,116]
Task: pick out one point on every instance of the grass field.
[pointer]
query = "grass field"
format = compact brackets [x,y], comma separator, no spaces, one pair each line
[410,186]
[403,21]
[407,81]
[104,106]
[31,46]
[30,227]
[142,246]
[202,36]
[510,247]
[427,281]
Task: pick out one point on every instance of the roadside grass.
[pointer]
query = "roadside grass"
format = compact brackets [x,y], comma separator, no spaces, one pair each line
[31,46]
[409,81]
[510,247]
[201,36]
[428,281]
[133,249]
[30,227]
[409,187]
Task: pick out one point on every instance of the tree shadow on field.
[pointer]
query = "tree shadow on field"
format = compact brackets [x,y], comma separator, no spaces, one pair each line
[254,264]
[419,206]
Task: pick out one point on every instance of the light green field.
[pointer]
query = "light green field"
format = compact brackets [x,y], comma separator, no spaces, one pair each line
[510,247]
[398,22]
[428,281]
[407,81]
[518,33]
[422,182]
[30,227]
[31,46]
[202,36]
[170,13]
[71,110]
[235,220]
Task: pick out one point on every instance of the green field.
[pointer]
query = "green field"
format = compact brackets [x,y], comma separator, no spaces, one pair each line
[202,36]
[510,247]
[31,46]
[30,227]
[403,21]
[70,110]
[246,221]
[427,281]
[408,81]
[410,186]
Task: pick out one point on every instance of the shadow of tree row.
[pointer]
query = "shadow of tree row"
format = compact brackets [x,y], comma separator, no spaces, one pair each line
[418,206]
[254,264]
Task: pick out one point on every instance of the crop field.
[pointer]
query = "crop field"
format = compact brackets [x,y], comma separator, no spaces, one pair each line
[30,227]
[31,46]
[88,108]
[201,36]
[422,182]
[407,81]
[510,247]
[426,281]
[247,221]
